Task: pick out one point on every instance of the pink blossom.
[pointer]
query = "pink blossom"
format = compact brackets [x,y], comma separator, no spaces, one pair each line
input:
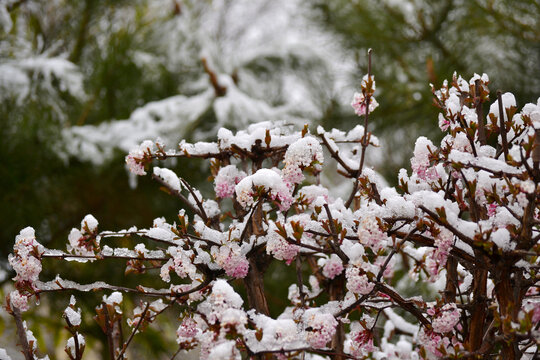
[323,328]
[271,182]
[333,267]
[136,158]
[356,283]
[19,301]
[280,248]
[187,330]
[302,153]
[492,209]
[370,234]
[437,260]
[420,163]
[25,259]
[359,104]
[180,262]
[230,258]
[444,123]
[361,343]
[226,180]
[433,341]
[445,319]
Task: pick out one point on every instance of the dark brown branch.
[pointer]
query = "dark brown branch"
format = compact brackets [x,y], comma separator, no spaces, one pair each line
[21,332]
[479,113]
[218,89]
[502,126]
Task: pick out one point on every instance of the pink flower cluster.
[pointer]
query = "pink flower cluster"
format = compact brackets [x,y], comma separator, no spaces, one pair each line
[137,157]
[333,267]
[19,300]
[268,179]
[443,244]
[361,343]
[81,242]
[304,152]
[433,341]
[445,318]
[370,234]
[356,283]
[180,262]
[26,256]
[323,327]
[187,330]
[226,180]
[359,104]
[280,248]
[420,161]
[232,260]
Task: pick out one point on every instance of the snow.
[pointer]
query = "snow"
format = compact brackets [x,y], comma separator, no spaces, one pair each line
[169,177]
[70,346]
[73,316]
[508,100]
[161,234]
[114,299]
[90,222]
[501,238]
[400,323]
[4,355]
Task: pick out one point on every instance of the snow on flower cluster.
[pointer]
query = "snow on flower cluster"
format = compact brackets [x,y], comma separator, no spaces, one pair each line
[231,259]
[333,267]
[445,318]
[279,247]
[26,261]
[360,99]
[137,157]
[370,234]
[300,154]
[269,181]
[226,180]
[322,328]
[420,163]
[180,262]
[83,241]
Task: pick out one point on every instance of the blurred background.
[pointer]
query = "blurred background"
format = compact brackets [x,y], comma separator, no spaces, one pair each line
[82,82]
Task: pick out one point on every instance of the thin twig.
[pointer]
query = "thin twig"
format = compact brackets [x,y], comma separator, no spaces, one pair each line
[365,139]
[335,243]
[126,344]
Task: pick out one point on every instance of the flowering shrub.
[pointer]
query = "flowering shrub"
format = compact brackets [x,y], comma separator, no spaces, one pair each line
[465,223]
